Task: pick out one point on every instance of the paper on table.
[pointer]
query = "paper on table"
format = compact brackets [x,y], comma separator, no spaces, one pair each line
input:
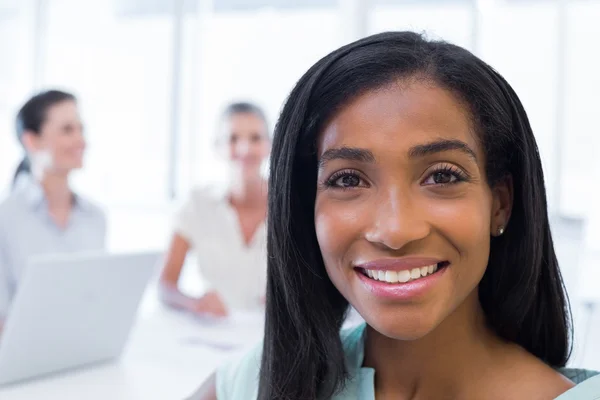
[236,331]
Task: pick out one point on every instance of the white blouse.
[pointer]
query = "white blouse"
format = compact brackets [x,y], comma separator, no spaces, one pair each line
[238,272]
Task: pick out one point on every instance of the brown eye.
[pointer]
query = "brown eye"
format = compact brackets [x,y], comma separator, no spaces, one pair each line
[345,180]
[348,181]
[443,177]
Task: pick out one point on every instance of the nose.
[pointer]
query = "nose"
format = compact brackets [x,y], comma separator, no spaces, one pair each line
[242,148]
[81,138]
[397,221]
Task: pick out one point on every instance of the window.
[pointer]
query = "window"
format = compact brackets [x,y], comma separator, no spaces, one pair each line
[527,56]
[255,55]
[582,130]
[119,66]
[16,79]
[429,17]
[120,69]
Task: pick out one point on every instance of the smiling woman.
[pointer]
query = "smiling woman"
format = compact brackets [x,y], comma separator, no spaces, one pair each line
[406,182]
[43,215]
[418,167]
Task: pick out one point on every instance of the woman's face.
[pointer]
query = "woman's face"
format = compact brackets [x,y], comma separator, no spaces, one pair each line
[60,138]
[248,143]
[403,212]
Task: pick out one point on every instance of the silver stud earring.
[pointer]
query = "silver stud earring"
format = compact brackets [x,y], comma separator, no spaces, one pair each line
[500,231]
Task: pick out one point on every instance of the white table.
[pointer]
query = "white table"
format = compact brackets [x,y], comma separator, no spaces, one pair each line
[168,357]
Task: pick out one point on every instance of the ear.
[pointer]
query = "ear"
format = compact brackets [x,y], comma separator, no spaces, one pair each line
[502,201]
[30,141]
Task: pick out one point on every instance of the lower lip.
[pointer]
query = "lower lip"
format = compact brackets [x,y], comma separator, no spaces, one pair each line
[402,291]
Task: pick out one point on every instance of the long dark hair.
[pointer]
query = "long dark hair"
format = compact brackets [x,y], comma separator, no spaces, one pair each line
[521,293]
[32,116]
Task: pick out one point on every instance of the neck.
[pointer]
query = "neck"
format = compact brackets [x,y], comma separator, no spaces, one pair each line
[447,361]
[248,192]
[57,191]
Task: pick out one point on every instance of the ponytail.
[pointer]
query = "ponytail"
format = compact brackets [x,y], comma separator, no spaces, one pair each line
[24,167]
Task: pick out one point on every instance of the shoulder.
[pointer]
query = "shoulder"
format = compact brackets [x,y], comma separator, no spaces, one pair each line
[239,378]
[13,202]
[205,197]
[546,383]
[521,373]
[9,211]
[198,214]
[587,384]
[91,208]
[577,375]
[589,389]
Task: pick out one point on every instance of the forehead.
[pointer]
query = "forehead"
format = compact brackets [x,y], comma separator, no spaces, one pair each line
[245,121]
[62,111]
[399,116]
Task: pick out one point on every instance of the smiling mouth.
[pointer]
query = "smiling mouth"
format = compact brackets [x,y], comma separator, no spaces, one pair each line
[404,276]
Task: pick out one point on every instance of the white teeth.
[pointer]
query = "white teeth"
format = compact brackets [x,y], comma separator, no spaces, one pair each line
[391,276]
[401,276]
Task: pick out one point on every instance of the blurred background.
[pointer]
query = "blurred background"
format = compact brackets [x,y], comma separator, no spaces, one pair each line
[153,75]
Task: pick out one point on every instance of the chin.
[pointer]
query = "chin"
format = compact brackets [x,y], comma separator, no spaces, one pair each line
[251,172]
[77,162]
[412,323]
[403,333]
[66,169]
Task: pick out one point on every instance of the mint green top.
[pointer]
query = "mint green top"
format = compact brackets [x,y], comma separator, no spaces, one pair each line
[239,380]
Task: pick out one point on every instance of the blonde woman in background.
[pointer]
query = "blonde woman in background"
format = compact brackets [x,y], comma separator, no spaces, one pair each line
[226,228]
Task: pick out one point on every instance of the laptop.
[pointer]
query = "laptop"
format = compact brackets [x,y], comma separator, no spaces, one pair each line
[72,310]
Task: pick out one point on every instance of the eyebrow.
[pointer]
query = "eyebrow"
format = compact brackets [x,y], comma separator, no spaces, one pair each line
[440,146]
[346,153]
[422,150]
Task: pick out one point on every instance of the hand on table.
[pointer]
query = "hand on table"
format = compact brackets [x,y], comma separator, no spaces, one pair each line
[211,305]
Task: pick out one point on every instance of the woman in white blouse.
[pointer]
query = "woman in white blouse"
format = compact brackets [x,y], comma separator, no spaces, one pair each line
[226,228]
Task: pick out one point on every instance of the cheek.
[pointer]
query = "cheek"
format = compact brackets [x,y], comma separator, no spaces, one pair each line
[465,224]
[54,149]
[337,228]
[259,150]
[231,151]
[62,144]
[464,221]
[62,153]
[265,149]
